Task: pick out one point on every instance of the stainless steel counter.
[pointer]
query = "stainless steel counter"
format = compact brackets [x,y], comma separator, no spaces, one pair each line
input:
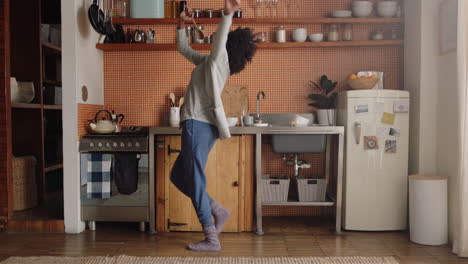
[258,132]
[261,130]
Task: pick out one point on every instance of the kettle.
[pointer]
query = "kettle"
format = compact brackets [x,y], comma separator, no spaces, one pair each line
[102,126]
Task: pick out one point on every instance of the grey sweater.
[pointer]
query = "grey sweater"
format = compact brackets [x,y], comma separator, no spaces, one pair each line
[203,96]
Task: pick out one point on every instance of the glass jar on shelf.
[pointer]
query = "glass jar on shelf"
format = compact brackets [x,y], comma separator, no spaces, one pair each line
[348,32]
[333,33]
[281,34]
[122,9]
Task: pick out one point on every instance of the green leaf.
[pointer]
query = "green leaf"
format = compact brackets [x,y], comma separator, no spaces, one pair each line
[317,97]
[331,88]
[316,85]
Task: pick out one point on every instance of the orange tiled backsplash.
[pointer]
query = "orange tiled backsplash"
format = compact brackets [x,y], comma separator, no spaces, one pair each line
[138,83]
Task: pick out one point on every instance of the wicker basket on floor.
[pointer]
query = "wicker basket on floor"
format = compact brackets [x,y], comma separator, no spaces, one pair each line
[24,183]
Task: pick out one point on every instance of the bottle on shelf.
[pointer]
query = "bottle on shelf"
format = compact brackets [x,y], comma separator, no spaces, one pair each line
[281,35]
[333,34]
[348,32]
[175,8]
[122,8]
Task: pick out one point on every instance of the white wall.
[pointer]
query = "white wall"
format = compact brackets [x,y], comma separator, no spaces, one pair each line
[432,79]
[420,75]
[82,65]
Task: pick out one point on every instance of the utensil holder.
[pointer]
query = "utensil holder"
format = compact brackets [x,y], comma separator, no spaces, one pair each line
[174,117]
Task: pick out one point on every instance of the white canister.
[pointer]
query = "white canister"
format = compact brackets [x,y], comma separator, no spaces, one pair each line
[281,35]
[174,117]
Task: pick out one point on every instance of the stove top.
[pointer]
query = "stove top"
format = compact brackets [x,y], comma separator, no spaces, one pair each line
[130,139]
[125,131]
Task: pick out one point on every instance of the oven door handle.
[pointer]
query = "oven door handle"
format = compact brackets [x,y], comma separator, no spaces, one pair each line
[170,150]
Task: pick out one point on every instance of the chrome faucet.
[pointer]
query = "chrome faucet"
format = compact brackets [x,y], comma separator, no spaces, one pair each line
[260,95]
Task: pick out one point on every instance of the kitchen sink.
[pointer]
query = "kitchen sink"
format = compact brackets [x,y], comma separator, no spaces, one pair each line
[294,144]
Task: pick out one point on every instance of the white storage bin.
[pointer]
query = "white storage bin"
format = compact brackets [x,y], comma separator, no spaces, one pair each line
[275,188]
[428,209]
[147,8]
[312,190]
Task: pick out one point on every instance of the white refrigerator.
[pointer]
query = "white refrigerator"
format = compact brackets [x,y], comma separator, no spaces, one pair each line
[376,159]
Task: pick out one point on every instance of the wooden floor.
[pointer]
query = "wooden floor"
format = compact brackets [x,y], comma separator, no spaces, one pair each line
[285,236]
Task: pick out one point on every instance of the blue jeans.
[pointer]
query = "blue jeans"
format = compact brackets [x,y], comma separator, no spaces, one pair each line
[188,173]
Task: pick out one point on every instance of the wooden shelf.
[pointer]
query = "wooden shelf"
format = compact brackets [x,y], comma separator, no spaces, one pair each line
[24,105]
[288,45]
[50,48]
[53,107]
[319,20]
[53,167]
[51,82]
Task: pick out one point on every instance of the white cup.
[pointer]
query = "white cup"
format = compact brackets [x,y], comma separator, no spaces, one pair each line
[174,117]
[248,120]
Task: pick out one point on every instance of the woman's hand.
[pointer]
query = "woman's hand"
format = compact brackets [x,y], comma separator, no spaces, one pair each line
[231,6]
[184,17]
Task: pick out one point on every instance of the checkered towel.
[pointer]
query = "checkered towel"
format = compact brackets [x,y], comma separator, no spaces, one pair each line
[99,176]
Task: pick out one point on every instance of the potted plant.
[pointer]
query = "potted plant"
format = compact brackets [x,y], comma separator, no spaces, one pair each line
[325,101]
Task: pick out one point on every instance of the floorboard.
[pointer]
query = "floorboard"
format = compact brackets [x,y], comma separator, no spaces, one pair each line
[284,236]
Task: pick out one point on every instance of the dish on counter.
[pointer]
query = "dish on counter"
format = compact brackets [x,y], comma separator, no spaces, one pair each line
[261,125]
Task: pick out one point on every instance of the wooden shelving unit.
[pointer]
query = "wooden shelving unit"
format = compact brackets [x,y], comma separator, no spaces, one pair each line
[53,167]
[51,82]
[36,127]
[50,48]
[53,107]
[287,45]
[320,20]
[26,106]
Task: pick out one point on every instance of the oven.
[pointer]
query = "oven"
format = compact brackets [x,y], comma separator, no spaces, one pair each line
[131,145]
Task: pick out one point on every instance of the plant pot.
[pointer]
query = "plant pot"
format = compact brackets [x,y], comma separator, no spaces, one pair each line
[326,117]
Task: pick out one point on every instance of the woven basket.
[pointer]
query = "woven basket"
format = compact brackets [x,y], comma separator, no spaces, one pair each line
[363,83]
[312,190]
[24,183]
[275,188]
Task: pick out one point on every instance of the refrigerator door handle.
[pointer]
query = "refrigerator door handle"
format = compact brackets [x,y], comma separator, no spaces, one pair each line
[357,132]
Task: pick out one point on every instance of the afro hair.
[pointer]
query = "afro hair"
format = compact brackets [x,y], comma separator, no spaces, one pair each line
[241,49]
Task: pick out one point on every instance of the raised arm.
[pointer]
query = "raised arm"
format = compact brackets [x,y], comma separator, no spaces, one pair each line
[221,36]
[182,42]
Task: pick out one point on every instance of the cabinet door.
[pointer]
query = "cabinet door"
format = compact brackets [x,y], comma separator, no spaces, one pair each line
[222,171]
[229,173]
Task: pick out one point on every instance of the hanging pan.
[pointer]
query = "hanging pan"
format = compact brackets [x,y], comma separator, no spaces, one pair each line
[96,17]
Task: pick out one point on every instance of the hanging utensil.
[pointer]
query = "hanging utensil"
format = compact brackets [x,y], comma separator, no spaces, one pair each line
[197,28]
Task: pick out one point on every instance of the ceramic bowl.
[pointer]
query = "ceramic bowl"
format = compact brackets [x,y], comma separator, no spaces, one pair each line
[299,35]
[232,121]
[316,37]
[362,12]
[387,8]
[362,8]
[341,13]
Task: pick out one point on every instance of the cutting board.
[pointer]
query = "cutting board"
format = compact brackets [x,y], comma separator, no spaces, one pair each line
[235,99]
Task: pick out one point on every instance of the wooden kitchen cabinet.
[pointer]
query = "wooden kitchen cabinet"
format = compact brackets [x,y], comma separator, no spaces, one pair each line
[230,172]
